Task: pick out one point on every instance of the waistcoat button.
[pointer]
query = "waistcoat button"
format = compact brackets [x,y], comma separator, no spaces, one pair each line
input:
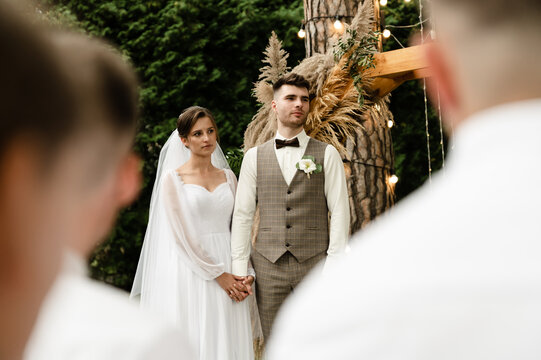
[288,226]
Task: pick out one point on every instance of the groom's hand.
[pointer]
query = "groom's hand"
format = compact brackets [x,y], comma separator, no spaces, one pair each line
[245,284]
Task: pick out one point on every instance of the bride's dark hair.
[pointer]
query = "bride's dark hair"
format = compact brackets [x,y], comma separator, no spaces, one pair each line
[189,117]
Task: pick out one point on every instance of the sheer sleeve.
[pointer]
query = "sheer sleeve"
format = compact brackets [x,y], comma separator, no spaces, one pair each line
[231,180]
[183,232]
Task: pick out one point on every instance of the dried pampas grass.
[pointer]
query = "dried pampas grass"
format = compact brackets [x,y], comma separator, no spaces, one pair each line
[334,109]
[333,112]
[276,58]
[263,124]
[363,21]
[315,69]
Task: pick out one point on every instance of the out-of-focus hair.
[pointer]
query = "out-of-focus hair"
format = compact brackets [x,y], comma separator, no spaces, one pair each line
[36,101]
[494,13]
[106,87]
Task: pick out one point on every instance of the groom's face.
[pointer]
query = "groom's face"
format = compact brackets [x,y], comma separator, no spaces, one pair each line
[291,105]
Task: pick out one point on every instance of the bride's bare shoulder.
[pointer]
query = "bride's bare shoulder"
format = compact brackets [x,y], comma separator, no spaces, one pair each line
[184,171]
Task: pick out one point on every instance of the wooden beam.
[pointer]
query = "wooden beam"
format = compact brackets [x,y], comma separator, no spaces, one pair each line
[396,66]
[397,62]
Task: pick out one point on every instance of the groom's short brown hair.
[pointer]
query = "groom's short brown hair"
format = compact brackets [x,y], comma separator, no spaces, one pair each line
[293,79]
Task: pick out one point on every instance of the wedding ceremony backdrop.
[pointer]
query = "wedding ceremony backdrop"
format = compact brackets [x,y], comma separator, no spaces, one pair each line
[223,54]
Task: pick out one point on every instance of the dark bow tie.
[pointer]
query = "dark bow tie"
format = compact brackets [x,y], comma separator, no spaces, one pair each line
[281,143]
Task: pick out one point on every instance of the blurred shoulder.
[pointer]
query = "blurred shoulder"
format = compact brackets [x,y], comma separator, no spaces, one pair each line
[108,325]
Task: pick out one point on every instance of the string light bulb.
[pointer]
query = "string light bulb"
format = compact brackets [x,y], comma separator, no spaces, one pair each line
[301,34]
[383,2]
[393,179]
[407,1]
[390,124]
[386,33]
[338,26]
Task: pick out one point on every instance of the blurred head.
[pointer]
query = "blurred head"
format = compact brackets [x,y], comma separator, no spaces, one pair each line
[486,53]
[37,121]
[107,109]
[291,101]
[197,130]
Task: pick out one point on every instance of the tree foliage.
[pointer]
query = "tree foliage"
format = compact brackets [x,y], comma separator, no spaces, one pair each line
[208,53]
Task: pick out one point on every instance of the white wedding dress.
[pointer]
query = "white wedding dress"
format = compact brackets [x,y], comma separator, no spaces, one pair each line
[187,245]
[188,296]
[218,327]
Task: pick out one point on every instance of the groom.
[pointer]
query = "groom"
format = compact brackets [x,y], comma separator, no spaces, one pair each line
[294,204]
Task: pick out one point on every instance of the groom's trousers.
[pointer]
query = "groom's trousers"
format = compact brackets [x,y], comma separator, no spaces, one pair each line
[275,281]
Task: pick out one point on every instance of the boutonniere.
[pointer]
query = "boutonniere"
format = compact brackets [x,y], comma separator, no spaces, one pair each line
[308,165]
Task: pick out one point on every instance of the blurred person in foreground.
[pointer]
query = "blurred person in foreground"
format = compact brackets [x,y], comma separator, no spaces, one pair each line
[36,121]
[81,318]
[454,271]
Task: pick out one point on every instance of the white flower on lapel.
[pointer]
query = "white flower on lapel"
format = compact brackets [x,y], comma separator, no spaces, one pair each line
[308,165]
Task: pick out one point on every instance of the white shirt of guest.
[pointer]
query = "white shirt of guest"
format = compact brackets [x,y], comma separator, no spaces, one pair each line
[245,203]
[82,319]
[454,272]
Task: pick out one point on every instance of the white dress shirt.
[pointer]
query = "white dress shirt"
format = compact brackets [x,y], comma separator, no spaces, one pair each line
[454,272]
[82,319]
[245,203]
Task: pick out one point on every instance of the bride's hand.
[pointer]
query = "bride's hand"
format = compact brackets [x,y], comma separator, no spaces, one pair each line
[230,285]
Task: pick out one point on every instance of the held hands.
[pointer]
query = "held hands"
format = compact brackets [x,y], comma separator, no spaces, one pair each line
[247,282]
[236,287]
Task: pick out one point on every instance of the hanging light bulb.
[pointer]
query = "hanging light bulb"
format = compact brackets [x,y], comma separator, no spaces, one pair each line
[386,33]
[338,26]
[407,1]
[390,124]
[301,34]
[393,179]
[383,2]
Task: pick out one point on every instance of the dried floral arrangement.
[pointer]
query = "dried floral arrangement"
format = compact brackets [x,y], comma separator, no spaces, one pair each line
[337,85]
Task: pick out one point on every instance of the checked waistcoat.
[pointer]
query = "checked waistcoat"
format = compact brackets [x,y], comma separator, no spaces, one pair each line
[293,218]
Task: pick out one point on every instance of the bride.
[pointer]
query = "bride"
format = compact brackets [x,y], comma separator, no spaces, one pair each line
[185,264]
